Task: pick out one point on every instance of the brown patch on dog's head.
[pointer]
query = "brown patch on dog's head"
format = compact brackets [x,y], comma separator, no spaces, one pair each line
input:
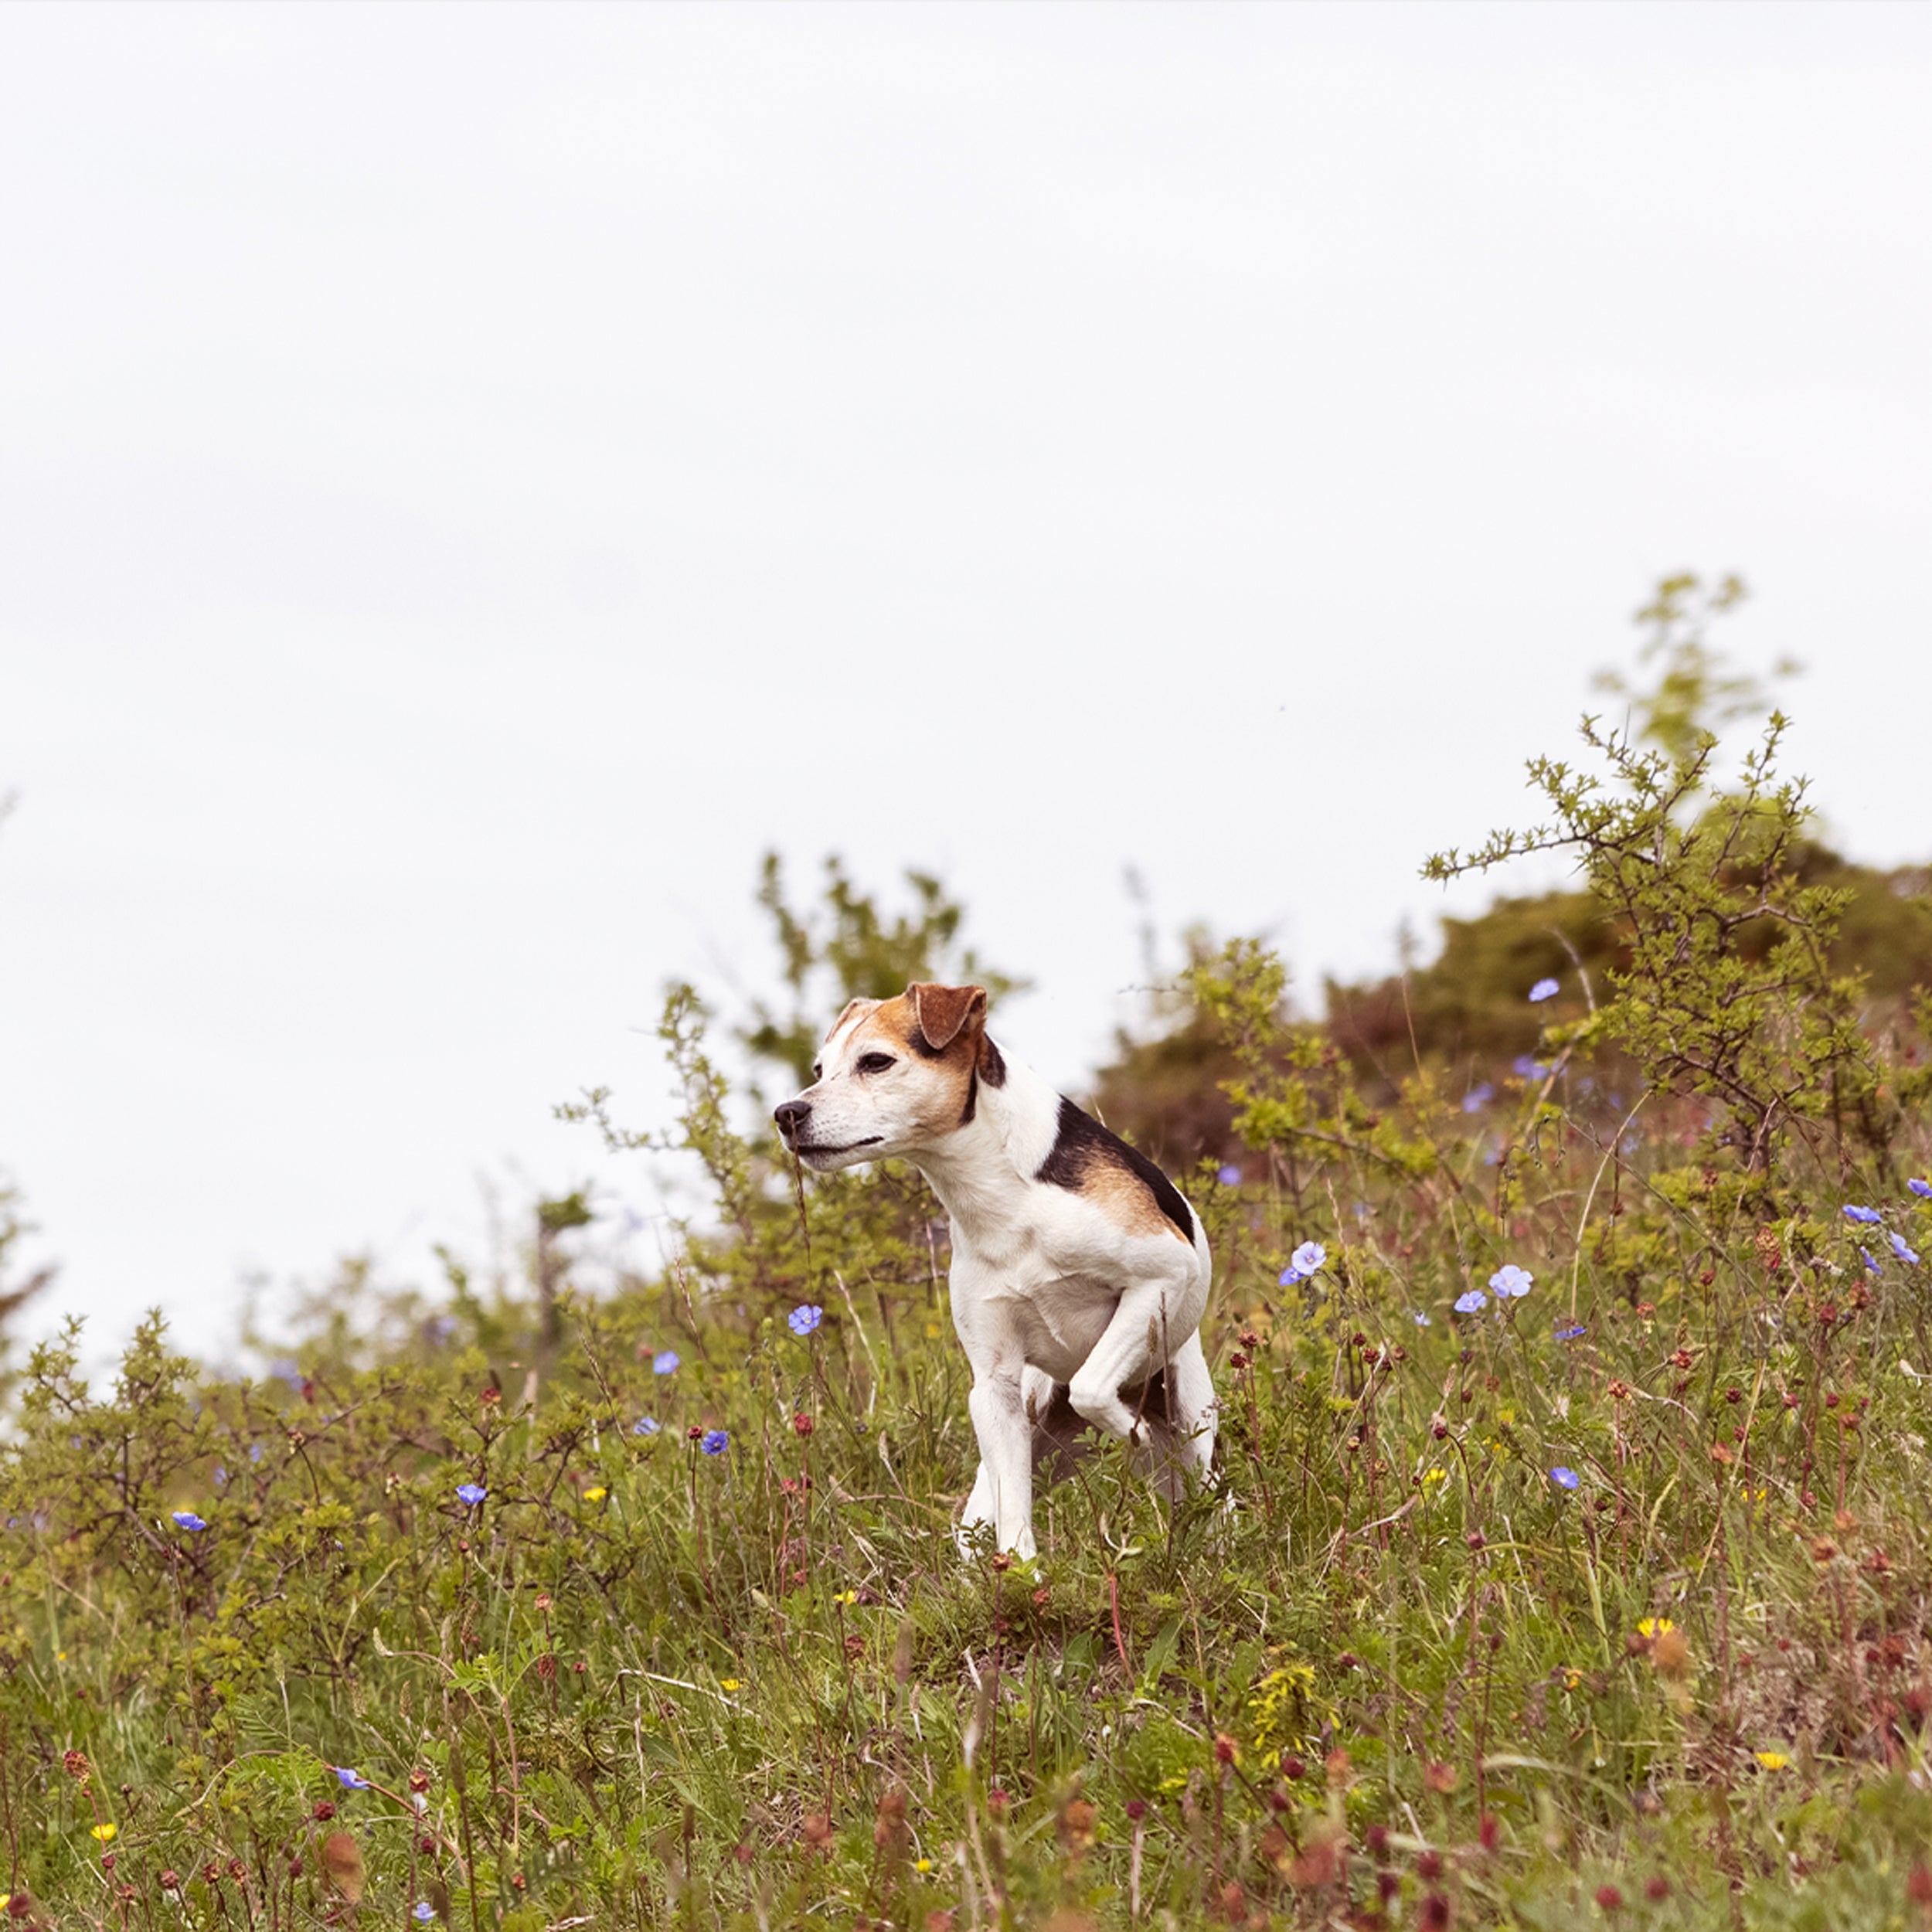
[940,1028]
[851,1006]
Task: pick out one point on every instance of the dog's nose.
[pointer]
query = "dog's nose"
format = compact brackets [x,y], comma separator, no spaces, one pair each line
[791,1115]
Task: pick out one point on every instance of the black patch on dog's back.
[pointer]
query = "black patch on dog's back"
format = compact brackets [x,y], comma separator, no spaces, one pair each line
[1082,1143]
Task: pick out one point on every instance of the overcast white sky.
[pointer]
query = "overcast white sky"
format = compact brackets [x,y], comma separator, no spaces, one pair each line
[471,478]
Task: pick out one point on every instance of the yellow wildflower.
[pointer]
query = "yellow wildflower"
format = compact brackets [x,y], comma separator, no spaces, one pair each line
[922,1865]
[1654,1626]
[103,1832]
[846,1597]
[730,1683]
[1773,1760]
[596,1495]
[1434,1476]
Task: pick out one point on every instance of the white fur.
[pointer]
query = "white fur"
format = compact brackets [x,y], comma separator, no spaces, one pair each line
[1048,1286]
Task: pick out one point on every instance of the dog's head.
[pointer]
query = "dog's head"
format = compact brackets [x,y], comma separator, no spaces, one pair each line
[894,1076]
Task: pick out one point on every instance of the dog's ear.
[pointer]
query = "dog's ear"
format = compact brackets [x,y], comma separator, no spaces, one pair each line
[944,1012]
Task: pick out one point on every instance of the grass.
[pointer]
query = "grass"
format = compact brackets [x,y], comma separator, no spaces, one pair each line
[1386,1670]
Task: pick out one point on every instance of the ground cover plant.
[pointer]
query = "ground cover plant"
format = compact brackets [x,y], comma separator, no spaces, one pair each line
[1566,1564]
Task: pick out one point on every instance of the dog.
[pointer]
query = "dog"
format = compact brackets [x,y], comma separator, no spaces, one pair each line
[1077,1266]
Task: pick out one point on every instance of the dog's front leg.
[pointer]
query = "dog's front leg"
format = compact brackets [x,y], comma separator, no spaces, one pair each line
[1147,1330]
[1003,1491]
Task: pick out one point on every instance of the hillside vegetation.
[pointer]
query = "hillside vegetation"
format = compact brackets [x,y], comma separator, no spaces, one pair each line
[1566,1562]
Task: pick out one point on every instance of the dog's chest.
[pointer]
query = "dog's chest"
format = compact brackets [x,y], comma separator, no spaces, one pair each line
[1040,1277]
[1056,1320]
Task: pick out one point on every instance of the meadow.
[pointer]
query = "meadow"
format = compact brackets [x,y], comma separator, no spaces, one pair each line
[1565,1561]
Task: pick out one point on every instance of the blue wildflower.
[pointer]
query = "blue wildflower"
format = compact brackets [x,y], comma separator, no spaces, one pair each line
[1309,1257]
[354,1780]
[716,1442]
[1871,1261]
[422,1911]
[1866,1217]
[1922,1188]
[1468,1304]
[662,1363]
[803,1321]
[471,1493]
[254,1452]
[1229,1175]
[1572,1332]
[1903,1249]
[1423,1320]
[1509,1280]
[1544,989]
[1288,1277]
[1565,1478]
[187,1520]
[221,1473]
[1526,1066]
[646,1426]
[1477,1098]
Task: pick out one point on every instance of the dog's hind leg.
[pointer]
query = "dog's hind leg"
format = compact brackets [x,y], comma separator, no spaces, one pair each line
[1179,1405]
[1191,1409]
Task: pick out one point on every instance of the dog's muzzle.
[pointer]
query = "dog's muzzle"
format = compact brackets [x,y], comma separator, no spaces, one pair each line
[791,1117]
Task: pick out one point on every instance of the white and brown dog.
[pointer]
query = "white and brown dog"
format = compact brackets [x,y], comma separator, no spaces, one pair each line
[1076,1262]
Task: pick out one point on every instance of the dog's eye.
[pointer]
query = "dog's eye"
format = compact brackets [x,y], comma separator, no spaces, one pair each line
[817,1071]
[874,1063]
